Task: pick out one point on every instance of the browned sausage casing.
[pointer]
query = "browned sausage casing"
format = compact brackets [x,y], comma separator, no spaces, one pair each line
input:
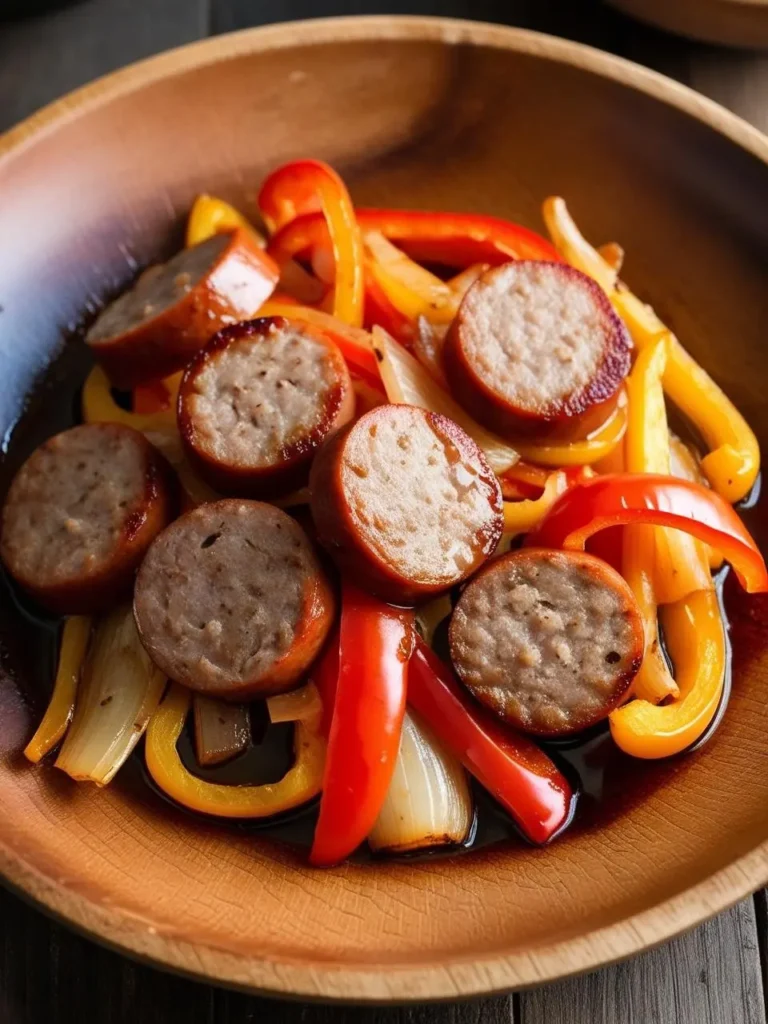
[173,310]
[405,503]
[548,640]
[536,350]
[80,514]
[232,601]
[257,403]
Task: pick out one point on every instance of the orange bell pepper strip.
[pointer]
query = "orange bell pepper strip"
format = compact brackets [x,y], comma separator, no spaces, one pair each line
[98,405]
[301,783]
[375,643]
[61,708]
[622,498]
[512,768]
[733,462]
[695,637]
[411,289]
[523,516]
[309,186]
[381,311]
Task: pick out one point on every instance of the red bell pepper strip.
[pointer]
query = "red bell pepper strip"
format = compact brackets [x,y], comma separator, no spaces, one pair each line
[452,239]
[657,500]
[510,766]
[312,187]
[374,647]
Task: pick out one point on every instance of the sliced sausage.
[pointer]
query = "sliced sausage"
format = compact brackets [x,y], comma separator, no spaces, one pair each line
[80,514]
[258,401]
[405,502]
[536,350]
[173,310]
[548,640]
[231,600]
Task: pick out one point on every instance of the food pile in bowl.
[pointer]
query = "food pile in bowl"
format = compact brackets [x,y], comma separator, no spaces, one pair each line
[403,482]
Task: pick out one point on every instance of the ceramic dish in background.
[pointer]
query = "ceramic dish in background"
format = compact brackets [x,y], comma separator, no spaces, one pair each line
[448,115]
[727,22]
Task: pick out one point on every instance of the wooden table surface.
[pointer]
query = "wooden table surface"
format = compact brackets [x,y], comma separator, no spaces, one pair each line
[715,975]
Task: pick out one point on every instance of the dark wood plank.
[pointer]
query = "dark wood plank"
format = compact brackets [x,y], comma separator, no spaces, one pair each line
[710,975]
[44,57]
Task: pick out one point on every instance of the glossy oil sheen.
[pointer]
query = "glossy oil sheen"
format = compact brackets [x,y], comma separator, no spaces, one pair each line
[450,116]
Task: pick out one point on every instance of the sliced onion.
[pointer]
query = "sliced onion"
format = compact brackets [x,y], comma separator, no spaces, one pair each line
[429,802]
[118,694]
[406,381]
[300,705]
[430,615]
[222,730]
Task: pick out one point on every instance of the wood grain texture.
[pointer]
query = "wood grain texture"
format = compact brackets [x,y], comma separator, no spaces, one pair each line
[123,987]
[710,975]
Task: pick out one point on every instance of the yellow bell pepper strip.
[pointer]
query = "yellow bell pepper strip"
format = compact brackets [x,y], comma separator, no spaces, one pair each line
[211,216]
[522,516]
[695,637]
[301,783]
[733,462]
[308,186]
[98,406]
[581,453]
[380,311]
[613,254]
[355,344]
[605,501]
[58,715]
[411,289]
[675,561]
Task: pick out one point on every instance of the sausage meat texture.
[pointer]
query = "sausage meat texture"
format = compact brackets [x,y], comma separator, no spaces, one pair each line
[257,403]
[232,601]
[536,350]
[80,514]
[548,640]
[405,502]
[172,311]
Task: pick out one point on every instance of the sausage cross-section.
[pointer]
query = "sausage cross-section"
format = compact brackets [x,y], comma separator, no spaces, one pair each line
[258,401]
[232,601]
[405,502]
[80,514]
[156,327]
[548,640]
[536,350]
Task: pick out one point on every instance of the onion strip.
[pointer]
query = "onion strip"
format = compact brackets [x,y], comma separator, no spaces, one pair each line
[429,802]
[74,643]
[222,730]
[120,691]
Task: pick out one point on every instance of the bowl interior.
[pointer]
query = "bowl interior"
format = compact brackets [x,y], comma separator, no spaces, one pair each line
[416,121]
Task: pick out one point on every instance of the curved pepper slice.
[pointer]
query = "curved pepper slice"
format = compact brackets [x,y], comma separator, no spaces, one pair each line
[655,500]
[58,715]
[309,186]
[212,216]
[599,445]
[695,637]
[510,766]
[300,784]
[375,642]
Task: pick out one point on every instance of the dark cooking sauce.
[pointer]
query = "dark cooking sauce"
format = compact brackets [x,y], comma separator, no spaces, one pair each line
[608,782]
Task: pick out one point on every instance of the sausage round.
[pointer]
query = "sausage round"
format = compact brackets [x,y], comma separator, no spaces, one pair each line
[536,350]
[550,641]
[174,309]
[231,600]
[80,514]
[405,502]
[258,401]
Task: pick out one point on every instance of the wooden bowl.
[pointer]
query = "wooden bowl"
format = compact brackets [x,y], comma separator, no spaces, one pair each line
[728,22]
[425,113]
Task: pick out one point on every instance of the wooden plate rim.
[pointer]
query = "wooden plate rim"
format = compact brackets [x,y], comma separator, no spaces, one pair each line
[456,978]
